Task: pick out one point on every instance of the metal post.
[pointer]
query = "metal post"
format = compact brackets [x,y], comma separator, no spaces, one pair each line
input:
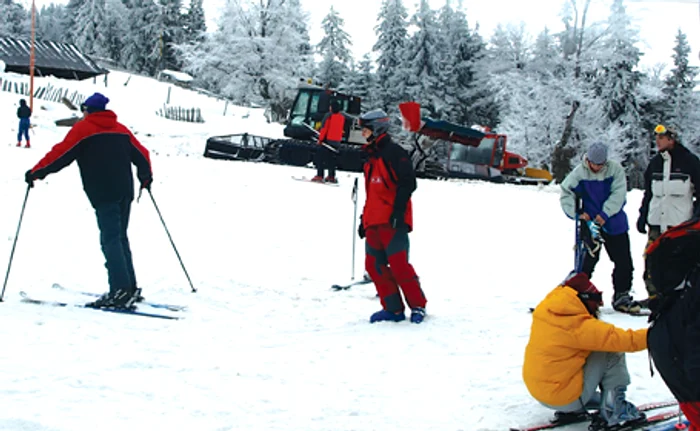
[354,229]
[31,60]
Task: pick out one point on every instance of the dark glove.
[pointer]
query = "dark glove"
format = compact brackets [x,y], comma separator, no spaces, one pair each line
[29,178]
[397,219]
[361,230]
[641,225]
[146,184]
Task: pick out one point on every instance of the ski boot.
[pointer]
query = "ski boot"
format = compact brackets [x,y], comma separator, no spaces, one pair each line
[387,316]
[625,304]
[615,411]
[565,418]
[119,300]
[417,314]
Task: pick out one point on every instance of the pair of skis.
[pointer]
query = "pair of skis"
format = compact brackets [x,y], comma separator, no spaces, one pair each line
[134,312]
[647,424]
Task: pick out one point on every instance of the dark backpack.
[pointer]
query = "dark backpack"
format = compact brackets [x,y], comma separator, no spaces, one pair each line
[672,258]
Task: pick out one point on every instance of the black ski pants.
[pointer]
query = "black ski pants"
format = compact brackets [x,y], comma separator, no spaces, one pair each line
[113,221]
[327,159]
[618,249]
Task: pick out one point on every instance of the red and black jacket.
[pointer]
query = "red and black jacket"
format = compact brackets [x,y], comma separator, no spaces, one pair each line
[674,341]
[332,129]
[389,183]
[105,150]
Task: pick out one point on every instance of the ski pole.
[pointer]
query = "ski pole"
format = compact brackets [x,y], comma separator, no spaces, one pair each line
[354,229]
[14,243]
[578,249]
[171,239]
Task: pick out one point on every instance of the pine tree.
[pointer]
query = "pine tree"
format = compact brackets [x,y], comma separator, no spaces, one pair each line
[546,59]
[50,21]
[142,51]
[114,28]
[194,22]
[392,37]
[616,82]
[472,99]
[682,103]
[70,17]
[301,43]
[172,33]
[257,54]
[334,49]
[422,62]
[87,33]
[361,83]
[14,20]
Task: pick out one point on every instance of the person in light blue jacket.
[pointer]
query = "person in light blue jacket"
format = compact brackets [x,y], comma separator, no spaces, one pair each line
[602,186]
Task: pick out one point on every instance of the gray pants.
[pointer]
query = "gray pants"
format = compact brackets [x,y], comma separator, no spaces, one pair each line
[606,369]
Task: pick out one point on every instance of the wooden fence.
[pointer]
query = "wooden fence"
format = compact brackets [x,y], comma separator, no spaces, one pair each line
[49,92]
[178,113]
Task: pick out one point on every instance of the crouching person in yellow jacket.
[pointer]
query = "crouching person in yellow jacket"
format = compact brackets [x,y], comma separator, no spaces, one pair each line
[571,353]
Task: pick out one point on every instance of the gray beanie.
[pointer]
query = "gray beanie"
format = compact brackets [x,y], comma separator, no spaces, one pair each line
[597,153]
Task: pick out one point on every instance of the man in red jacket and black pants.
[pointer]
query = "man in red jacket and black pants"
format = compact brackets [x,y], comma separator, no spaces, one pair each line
[386,221]
[329,139]
[105,150]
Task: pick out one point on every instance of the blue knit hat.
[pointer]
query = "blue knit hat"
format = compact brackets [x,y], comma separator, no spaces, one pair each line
[597,153]
[96,102]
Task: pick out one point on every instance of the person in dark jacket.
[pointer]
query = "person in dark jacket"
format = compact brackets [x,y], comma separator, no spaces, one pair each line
[386,221]
[674,334]
[105,150]
[23,113]
[671,191]
[329,139]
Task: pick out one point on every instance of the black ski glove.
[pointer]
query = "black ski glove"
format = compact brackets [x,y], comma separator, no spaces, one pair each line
[146,184]
[397,219]
[361,230]
[641,224]
[29,178]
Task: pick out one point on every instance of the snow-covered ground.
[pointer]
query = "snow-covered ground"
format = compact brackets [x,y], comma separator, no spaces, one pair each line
[265,344]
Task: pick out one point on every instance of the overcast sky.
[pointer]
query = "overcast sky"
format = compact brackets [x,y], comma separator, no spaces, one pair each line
[657,20]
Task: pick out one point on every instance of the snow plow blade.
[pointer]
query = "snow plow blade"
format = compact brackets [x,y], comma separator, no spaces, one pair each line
[242,146]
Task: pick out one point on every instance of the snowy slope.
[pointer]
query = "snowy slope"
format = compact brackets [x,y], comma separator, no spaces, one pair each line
[265,344]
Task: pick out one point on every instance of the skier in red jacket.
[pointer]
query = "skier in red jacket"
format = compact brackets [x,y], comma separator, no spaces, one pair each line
[329,139]
[105,151]
[386,221]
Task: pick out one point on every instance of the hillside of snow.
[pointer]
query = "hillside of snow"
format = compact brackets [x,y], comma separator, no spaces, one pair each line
[265,344]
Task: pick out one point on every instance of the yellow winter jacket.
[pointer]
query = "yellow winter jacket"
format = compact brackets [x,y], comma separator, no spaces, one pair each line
[562,335]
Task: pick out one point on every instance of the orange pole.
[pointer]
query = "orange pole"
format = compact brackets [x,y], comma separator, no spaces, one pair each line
[31,61]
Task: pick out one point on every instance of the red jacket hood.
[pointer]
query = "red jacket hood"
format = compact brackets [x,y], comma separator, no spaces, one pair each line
[102,119]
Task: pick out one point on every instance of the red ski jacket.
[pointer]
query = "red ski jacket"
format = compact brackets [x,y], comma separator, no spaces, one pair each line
[332,130]
[389,182]
[105,150]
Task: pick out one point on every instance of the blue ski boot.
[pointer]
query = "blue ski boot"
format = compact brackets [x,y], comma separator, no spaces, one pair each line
[386,316]
[417,314]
